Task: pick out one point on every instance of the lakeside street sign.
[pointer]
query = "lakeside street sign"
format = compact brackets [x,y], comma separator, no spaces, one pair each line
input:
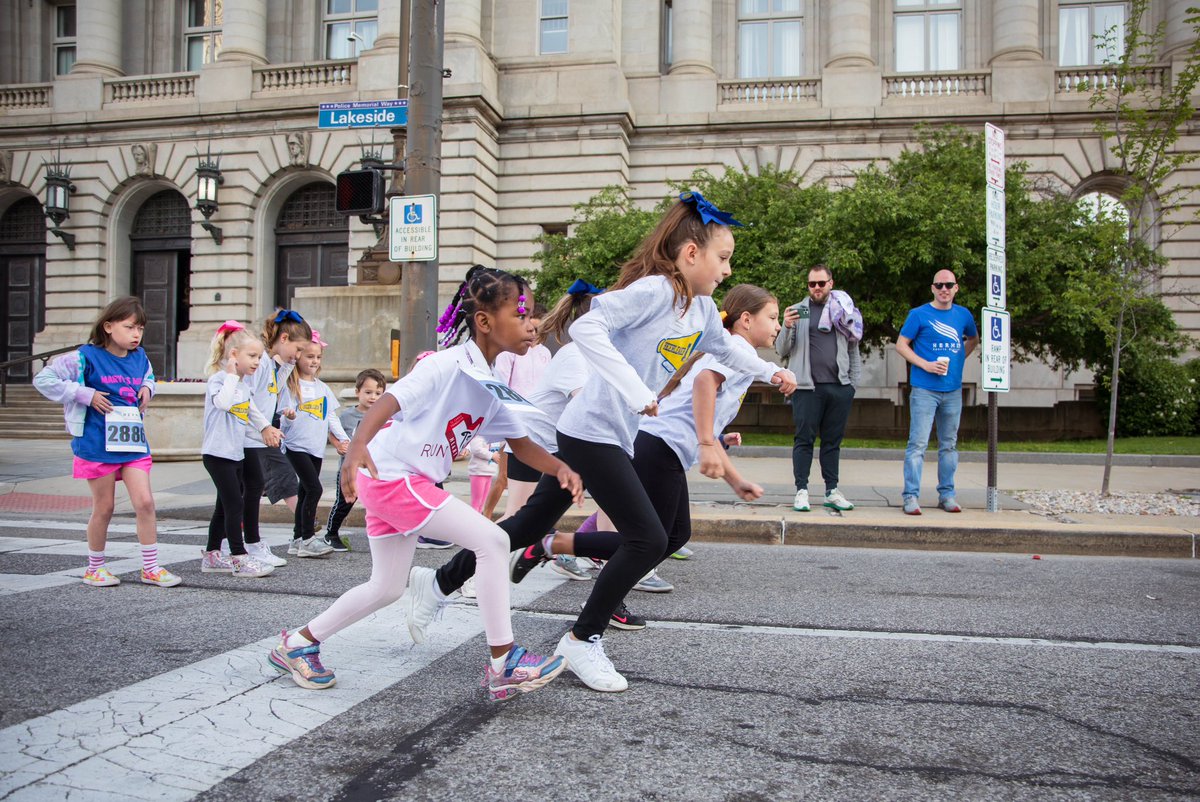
[363,114]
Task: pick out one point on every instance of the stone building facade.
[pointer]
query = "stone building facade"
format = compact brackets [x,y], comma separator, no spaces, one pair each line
[548,101]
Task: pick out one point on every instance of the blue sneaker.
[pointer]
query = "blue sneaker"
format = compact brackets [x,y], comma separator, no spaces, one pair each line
[523,672]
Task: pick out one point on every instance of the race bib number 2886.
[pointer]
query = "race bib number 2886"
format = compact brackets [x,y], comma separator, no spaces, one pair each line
[124,431]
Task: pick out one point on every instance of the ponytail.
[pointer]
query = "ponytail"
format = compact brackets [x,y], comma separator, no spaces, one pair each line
[230,335]
[569,308]
[285,321]
[483,290]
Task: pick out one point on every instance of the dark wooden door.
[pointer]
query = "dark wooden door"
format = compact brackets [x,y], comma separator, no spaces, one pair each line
[156,282]
[312,242]
[22,283]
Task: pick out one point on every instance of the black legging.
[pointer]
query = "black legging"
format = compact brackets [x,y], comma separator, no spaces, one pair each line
[253,483]
[308,471]
[665,482]
[340,509]
[226,522]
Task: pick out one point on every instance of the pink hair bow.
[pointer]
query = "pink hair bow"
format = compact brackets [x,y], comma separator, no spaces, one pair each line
[229,327]
[423,354]
[317,339]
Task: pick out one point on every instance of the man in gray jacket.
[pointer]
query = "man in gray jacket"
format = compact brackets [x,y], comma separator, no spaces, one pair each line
[827,367]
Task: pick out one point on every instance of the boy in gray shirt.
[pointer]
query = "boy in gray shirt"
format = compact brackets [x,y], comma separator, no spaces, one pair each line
[368,387]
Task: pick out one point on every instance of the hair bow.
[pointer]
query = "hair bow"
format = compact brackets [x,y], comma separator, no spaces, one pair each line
[317,339]
[581,287]
[229,327]
[424,354]
[288,314]
[707,211]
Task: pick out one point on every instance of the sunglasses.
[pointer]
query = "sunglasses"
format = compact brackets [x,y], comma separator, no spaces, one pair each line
[944,285]
[817,283]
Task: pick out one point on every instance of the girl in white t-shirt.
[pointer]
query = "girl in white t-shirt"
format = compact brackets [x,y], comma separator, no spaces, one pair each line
[404,447]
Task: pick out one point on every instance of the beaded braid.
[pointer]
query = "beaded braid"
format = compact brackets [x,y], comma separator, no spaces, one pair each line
[484,289]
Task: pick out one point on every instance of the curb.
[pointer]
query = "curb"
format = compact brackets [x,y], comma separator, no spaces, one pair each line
[1012,457]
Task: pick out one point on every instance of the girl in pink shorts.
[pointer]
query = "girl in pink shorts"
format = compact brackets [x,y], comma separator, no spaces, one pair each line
[404,446]
[104,388]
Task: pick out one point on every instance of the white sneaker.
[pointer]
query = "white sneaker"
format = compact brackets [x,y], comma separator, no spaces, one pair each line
[313,547]
[835,499]
[425,604]
[587,660]
[653,583]
[468,589]
[800,502]
[262,552]
[294,546]
[246,566]
[214,562]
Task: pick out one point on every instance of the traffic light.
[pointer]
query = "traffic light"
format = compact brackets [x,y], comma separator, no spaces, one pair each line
[360,192]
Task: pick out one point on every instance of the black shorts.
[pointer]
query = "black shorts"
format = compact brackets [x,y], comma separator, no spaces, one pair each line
[520,472]
[280,475]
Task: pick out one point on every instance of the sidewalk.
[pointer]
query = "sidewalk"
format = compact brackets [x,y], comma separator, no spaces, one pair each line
[35,479]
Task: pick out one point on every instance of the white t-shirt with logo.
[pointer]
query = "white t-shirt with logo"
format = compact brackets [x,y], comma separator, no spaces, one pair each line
[446,400]
[231,419]
[675,423]
[268,386]
[315,419]
[635,339]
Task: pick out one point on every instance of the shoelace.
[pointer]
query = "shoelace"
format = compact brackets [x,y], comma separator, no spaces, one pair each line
[314,661]
[596,653]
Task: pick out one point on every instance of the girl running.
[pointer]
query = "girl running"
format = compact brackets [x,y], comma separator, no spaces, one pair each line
[104,388]
[311,424]
[406,444]
[230,417]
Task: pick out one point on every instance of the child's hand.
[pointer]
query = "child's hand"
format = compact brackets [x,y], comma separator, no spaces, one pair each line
[100,402]
[290,414]
[343,447]
[569,480]
[785,380]
[143,399]
[349,477]
[231,366]
[650,410]
[710,460]
[272,436]
[747,491]
[732,439]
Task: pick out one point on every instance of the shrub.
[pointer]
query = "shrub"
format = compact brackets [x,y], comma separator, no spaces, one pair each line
[1158,397]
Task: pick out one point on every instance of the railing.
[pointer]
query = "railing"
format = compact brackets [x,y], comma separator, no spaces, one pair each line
[795,90]
[964,84]
[153,87]
[25,96]
[1085,80]
[326,74]
[12,363]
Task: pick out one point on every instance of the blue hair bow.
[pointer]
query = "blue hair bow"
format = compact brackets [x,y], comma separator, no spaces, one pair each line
[581,287]
[707,211]
[288,314]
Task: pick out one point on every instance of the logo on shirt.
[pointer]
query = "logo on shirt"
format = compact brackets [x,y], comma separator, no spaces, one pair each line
[241,411]
[459,431]
[676,350]
[316,408]
[955,341]
[273,384]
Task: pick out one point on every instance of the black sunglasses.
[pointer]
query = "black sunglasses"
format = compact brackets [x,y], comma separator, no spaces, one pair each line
[945,285]
[817,283]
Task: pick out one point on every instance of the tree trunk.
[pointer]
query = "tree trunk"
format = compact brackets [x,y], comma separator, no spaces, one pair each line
[1112,402]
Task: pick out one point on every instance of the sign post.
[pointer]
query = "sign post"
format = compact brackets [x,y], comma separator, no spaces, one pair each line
[996,331]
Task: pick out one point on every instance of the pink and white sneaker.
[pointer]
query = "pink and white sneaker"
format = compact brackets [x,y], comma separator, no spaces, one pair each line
[214,562]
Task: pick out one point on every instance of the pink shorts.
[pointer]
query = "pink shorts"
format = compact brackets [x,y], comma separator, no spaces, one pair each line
[399,506]
[86,469]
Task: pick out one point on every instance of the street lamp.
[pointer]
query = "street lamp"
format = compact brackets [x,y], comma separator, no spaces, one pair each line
[58,200]
[208,178]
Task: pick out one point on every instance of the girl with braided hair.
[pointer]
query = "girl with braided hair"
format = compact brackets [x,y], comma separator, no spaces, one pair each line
[405,445]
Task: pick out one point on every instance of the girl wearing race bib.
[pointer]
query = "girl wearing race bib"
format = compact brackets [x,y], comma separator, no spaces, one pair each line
[230,417]
[308,425]
[403,447]
[104,388]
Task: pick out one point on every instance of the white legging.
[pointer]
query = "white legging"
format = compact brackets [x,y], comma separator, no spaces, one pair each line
[391,558]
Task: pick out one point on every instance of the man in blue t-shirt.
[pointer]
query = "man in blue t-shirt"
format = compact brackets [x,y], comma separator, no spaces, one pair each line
[935,339]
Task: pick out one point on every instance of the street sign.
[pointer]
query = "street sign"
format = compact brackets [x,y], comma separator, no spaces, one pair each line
[412,220]
[994,137]
[996,338]
[363,114]
[995,217]
[996,279]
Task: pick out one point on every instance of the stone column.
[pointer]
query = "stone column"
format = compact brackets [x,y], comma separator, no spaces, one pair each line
[1016,34]
[388,35]
[244,31]
[849,26]
[464,20]
[1179,34]
[98,46]
[692,48]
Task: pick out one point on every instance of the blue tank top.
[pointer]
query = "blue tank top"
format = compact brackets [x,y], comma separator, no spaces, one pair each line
[118,436]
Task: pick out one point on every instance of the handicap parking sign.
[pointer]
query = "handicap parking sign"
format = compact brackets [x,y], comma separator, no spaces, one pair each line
[412,213]
[997,330]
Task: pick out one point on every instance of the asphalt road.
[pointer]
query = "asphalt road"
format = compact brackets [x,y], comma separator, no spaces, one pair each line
[770,673]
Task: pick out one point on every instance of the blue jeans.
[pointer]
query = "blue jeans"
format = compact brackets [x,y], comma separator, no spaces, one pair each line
[926,407]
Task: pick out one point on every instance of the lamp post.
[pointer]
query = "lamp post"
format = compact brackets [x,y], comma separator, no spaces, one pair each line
[58,200]
[208,178]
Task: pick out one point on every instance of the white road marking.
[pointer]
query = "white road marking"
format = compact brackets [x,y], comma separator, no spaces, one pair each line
[173,736]
[867,634]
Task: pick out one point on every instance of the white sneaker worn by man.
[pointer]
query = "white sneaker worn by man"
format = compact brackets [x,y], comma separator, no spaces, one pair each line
[313,547]
[837,501]
[800,502]
[587,660]
[262,552]
[425,601]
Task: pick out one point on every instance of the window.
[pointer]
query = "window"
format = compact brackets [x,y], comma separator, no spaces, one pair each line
[202,33]
[667,54]
[928,35]
[1102,206]
[770,38]
[1090,33]
[552,26]
[64,39]
[350,27]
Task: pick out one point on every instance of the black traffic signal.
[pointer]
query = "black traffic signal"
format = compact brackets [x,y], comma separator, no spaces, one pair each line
[360,192]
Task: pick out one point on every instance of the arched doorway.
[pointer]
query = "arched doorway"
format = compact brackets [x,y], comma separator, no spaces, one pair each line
[312,243]
[161,243]
[23,282]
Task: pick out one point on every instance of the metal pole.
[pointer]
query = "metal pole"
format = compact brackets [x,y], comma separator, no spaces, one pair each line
[423,171]
[993,495]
